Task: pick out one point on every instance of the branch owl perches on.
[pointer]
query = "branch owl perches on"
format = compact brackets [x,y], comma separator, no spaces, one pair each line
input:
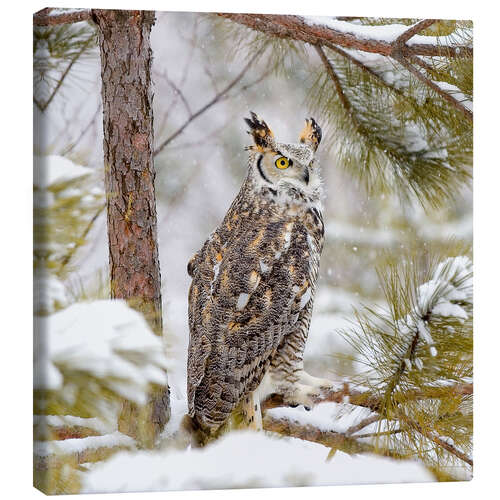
[253,286]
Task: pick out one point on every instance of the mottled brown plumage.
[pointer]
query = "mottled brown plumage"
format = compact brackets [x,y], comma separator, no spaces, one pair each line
[251,297]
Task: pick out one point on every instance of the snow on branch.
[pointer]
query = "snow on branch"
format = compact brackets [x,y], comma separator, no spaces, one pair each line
[81,450]
[104,340]
[417,356]
[445,295]
[245,459]
[326,31]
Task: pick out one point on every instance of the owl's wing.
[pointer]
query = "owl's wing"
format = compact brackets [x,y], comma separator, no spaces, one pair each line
[246,295]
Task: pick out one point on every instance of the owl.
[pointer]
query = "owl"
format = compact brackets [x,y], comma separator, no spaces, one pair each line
[253,285]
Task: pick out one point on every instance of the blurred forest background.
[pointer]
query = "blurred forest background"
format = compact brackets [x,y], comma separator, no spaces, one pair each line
[200,163]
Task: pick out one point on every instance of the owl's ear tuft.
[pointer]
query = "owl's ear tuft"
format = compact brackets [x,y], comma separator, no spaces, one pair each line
[311,134]
[262,135]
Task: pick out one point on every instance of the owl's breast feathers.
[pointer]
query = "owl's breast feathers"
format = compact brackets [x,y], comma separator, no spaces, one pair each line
[251,280]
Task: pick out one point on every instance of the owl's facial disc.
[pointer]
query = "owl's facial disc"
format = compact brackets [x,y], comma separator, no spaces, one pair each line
[275,167]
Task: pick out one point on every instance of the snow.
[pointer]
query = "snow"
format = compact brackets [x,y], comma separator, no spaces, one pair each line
[57,12]
[78,445]
[100,338]
[49,293]
[413,138]
[52,169]
[95,424]
[456,93]
[334,417]
[450,282]
[245,459]
[384,33]
[447,309]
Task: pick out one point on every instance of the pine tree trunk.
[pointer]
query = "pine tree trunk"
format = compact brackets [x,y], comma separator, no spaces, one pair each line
[129,179]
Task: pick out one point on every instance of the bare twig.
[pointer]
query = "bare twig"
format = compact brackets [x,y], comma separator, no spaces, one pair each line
[81,240]
[52,17]
[295,28]
[83,132]
[219,96]
[177,92]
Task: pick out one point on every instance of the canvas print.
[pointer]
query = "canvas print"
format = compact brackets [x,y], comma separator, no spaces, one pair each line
[252,251]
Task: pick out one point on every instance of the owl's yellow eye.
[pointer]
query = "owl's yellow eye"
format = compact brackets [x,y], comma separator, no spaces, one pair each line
[282,162]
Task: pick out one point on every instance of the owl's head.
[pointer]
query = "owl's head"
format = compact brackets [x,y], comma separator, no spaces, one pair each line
[279,165]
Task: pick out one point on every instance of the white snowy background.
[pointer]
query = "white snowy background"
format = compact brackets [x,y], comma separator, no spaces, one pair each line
[197,176]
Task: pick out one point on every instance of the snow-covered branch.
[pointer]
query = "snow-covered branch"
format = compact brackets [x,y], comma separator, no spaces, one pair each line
[52,17]
[326,31]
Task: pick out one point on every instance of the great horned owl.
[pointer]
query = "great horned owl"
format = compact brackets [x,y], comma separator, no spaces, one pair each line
[253,284]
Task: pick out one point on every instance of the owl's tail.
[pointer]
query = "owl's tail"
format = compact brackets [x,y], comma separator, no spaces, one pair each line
[198,435]
[246,415]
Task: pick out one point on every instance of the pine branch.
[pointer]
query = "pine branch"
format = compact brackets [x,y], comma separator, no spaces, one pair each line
[348,441]
[85,46]
[365,399]
[368,399]
[419,350]
[403,365]
[364,423]
[336,81]
[53,17]
[445,95]
[295,28]
[364,67]
[435,439]
[415,29]
[331,439]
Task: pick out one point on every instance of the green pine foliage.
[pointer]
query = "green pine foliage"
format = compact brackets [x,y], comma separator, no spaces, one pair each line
[63,215]
[416,357]
[56,49]
[390,131]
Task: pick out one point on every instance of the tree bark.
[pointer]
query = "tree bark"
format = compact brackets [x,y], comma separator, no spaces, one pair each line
[127,99]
